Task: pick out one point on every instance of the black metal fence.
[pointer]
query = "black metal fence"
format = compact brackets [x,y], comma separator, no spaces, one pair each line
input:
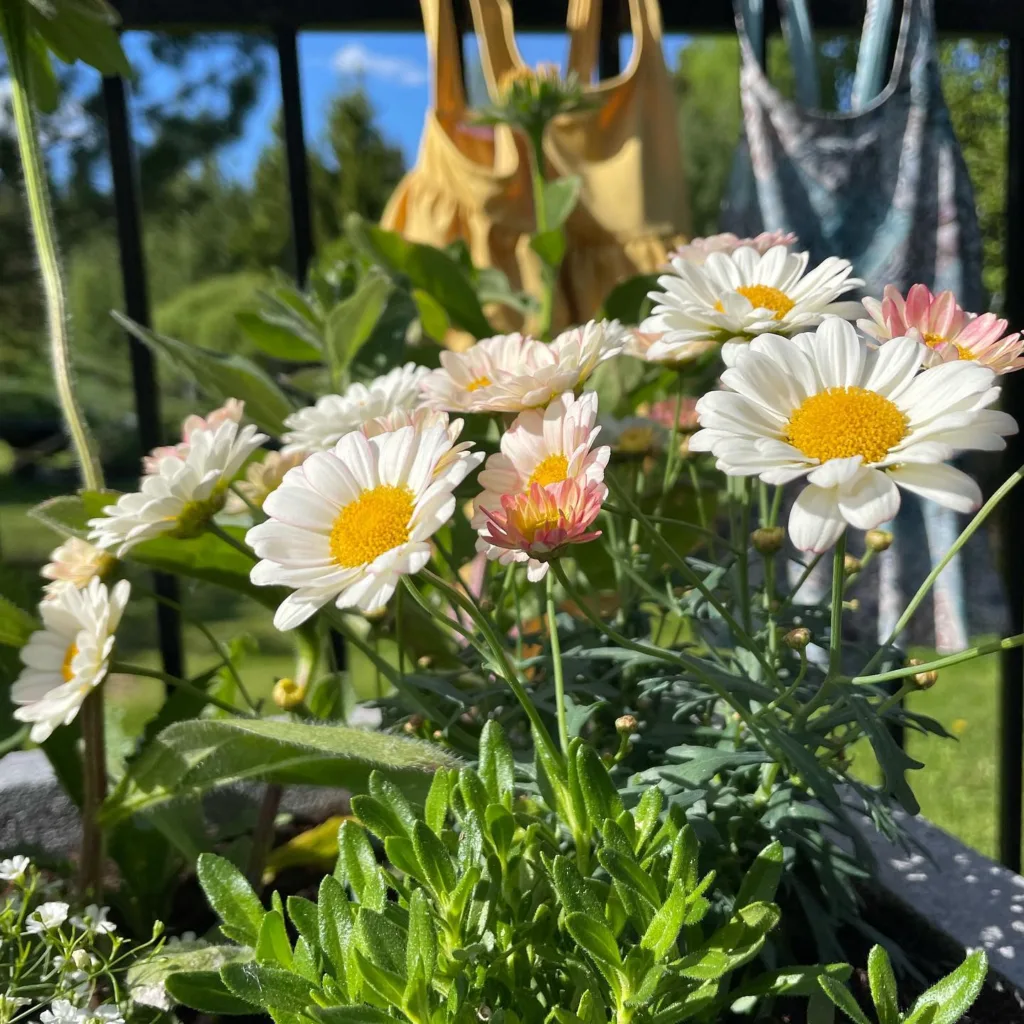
[280,20]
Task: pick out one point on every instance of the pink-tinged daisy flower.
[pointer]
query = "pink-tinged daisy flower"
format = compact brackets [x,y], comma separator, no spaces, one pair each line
[945,327]
[647,345]
[535,526]
[545,447]
[232,410]
[699,249]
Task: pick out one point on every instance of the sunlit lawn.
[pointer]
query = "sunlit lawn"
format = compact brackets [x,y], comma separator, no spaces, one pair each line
[957,789]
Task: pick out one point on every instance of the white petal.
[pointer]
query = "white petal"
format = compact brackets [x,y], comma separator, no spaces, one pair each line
[869,500]
[939,483]
[894,367]
[815,522]
[840,354]
[837,472]
[296,608]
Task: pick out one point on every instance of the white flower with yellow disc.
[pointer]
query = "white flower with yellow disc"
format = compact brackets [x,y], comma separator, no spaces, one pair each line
[347,524]
[69,656]
[733,297]
[858,423]
[182,495]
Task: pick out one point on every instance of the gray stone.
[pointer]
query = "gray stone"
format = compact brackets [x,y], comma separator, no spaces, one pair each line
[959,891]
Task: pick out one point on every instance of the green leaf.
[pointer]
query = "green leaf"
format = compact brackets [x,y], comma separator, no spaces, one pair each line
[266,986]
[380,819]
[428,269]
[277,337]
[231,896]
[359,864]
[305,916]
[351,323]
[206,992]
[43,78]
[69,514]
[497,766]
[388,985]
[434,859]
[221,376]
[842,998]
[628,301]
[188,759]
[335,925]
[560,199]
[685,854]
[272,945]
[73,35]
[646,814]
[16,625]
[892,758]
[575,893]
[433,317]
[630,874]
[550,247]
[363,1014]
[792,981]
[421,948]
[664,928]
[436,810]
[599,795]
[883,986]
[385,791]
[761,881]
[953,995]
[595,937]
[383,941]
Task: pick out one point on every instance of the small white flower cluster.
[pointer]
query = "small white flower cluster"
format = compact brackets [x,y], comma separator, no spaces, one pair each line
[56,966]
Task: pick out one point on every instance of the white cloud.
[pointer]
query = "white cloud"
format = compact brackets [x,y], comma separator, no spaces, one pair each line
[355,59]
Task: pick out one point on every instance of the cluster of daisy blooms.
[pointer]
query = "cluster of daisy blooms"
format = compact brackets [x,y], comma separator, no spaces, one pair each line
[54,964]
[365,479]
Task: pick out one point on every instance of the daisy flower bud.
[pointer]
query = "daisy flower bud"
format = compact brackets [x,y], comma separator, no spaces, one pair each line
[767,540]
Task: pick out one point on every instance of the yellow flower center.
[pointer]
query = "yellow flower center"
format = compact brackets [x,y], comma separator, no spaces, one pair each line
[377,521]
[763,296]
[194,516]
[938,340]
[530,521]
[842,422]
[553,470]
[69,656]
[479,382]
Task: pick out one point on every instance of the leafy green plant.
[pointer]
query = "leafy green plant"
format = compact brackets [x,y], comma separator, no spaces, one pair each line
[483,904]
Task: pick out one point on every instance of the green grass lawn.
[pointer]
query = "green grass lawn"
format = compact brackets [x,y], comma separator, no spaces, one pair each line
[957,788]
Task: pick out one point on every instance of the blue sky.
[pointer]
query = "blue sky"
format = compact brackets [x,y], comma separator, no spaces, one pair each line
[391,67]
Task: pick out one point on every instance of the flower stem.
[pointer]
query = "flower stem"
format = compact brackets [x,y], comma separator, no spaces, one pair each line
[501,660]
[179,684]
[980,650]
[556,661]
[37,194]
[238,545]
[94,791]
[835,639]
[983,513]
[540,206]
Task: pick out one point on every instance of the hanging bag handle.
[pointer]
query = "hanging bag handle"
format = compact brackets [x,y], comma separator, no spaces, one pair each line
[583,23]
[872,58]
[445,57]
[799,35]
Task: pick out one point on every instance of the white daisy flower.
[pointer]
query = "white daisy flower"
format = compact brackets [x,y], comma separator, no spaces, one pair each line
[69,656]
[12,869]
[46,917]
[182,496]
[348,523]
[75,562]
[94,919]
[261,480]
[510,372]
[321,426]
[543,446]
[733,297]
[858,422]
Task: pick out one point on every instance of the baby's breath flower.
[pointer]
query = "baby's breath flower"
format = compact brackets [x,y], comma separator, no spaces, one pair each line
[94,919]
[12,869]
[46,917]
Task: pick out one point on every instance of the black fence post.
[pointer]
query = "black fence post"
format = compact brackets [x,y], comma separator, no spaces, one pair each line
[136,301]
[295,151]
[1011,710]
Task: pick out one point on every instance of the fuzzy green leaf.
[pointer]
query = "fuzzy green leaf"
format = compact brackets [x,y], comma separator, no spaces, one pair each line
[843,999]
[595,937]
[231,896]
[436,809]
[664,928]
[359,865]
[16,625]
[206,992]
[272,945]
[883,986]
[434,859]
[421,948]
[266,986]
[334,925]
[497,767]
[953,996]
[761,881]
[188,759]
